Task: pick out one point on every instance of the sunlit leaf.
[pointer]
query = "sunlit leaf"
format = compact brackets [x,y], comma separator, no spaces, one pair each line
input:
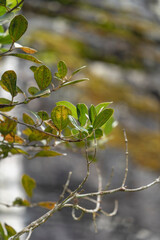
[3,10]
[92,113]
[27,119]
[62,69]
[74,82]
[47,153]
[37,135]
[102,106]
[43,77]
[59,116]
[70,106]
[48,205]
[28,50]
[82,112]
[102,118]
[9,79]
[17,27]
[25,57]
[78,70]
[108,126]
[5,105]
[28,184]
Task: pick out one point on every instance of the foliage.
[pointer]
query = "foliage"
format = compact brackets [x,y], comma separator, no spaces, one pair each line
[66,123]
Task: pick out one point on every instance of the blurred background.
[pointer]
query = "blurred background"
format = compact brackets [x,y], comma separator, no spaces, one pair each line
[119,42]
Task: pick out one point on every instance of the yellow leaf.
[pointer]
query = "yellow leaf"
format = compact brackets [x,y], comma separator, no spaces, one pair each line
[28,50]
[48,205]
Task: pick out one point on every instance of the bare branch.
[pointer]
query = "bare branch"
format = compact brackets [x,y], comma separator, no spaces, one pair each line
[114,210]
[65,187]
[126,153]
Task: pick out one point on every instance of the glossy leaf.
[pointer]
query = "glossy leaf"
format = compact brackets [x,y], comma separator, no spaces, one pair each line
[102,118]
[102,106]
[25,57]
[9,79]
[5,105]
[62,69]
[43,93]
[74,82]
[27,119]
[82,112]
[43,77]
[43,115]
[33,90]
[47,153]
[17,27]
[78,70]
[70,106]
[28,184]
[75,124]
[59,117]
[92,113]
[48,205]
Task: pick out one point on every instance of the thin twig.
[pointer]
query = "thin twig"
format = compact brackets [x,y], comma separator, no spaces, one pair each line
[29,234]
[112,213]
[15,6]
[126,153]
[65,188]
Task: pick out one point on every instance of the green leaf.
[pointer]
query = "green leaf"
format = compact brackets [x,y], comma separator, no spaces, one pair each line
[77,70]
[59,116]
[21,202]
[70,106]
[17,27]
[75,124]
[47,153]
[62,69]
[43,77]
[19,90]
[75,81]
[92,113]
[82,112]
[3,2]
[33,68]
[9,79]
[2,235]
[25,57]
[5,38]
[108,126]
[27,119]
[37,135]
[3,10]
[43,93]
[5,105]
[7,126]
[102,106]
[28,184]
[10,230]
[33,90]
[102,118]
[43,115]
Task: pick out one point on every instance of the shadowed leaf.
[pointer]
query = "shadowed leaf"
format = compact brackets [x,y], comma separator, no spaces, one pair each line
[9,79]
